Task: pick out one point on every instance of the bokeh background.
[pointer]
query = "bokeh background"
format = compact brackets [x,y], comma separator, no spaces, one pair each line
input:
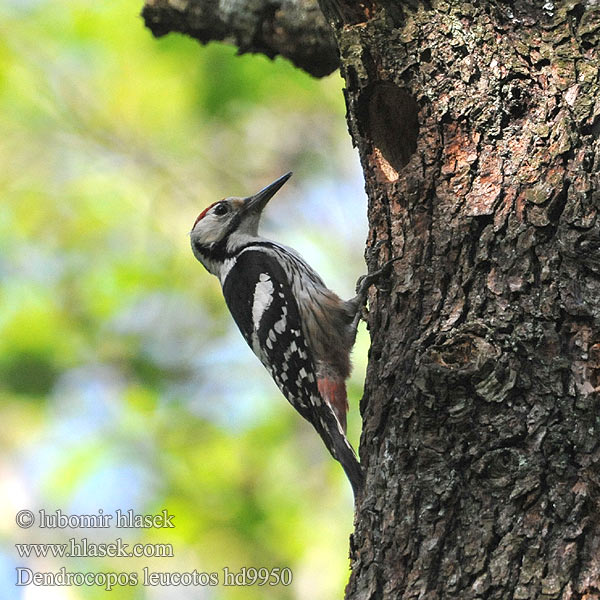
[124,383]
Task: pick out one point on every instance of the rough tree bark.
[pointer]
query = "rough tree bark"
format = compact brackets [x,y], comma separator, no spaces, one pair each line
[478,129]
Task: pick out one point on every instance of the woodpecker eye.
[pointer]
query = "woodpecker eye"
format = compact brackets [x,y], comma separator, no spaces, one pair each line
[221,209]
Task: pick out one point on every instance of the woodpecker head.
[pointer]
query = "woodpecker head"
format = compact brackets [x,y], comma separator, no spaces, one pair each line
[227,224]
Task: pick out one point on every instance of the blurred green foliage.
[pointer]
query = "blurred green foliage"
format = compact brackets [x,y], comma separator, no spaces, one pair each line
[123,382]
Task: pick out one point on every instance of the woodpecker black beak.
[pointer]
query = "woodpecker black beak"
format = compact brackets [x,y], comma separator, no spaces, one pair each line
[257,202]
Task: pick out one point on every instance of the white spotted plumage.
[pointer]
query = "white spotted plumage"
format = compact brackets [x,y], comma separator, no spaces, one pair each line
[263,296]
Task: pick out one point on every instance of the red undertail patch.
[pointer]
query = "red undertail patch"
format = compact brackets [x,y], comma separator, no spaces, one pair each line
[334,393]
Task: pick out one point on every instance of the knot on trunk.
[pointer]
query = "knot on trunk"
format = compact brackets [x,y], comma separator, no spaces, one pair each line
[464,364]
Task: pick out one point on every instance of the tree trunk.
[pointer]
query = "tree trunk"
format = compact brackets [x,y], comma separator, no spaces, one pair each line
[477,126]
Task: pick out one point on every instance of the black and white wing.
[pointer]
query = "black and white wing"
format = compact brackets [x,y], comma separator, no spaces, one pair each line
[262,304]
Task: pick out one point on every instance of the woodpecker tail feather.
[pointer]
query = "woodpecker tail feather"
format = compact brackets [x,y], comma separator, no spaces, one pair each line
[331,432]
[345,455]
[333,392]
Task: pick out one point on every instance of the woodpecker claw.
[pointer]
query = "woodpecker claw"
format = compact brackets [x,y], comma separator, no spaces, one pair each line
[364,282]
[359,282]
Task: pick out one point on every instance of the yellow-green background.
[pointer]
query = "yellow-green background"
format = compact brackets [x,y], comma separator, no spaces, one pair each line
[123,381]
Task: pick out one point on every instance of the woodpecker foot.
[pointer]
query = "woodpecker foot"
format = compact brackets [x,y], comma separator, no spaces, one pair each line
[358,303]
[364,282]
